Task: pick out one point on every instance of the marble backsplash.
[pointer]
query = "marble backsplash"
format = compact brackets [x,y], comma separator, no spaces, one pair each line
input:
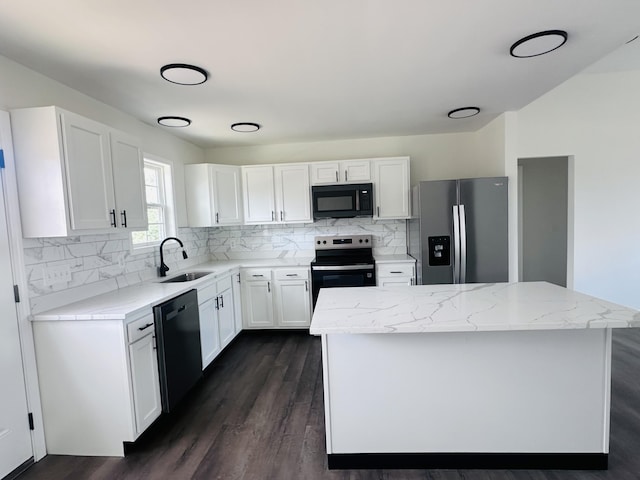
[296,240]
[102,263]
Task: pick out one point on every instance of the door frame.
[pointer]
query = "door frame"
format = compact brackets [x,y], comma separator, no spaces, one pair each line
[14,228]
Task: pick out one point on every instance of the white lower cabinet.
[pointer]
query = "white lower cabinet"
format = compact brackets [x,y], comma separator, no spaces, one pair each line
[145,383]
[395,274]
[293,300]
[276,298]
[217,317]
[98,383]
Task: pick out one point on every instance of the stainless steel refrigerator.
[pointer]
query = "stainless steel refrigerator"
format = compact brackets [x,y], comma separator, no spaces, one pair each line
[458,232]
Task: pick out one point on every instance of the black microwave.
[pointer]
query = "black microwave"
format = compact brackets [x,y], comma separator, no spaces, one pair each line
[342,201]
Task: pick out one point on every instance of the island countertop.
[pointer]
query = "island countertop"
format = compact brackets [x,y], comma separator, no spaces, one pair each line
[464,307]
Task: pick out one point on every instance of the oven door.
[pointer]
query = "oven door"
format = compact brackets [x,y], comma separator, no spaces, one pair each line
[341,276]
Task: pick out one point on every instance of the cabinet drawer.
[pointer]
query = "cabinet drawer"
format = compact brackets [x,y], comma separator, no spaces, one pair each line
[139,328]
[206,292]
[393,270]
[253,274]
[223,284]
[291,274]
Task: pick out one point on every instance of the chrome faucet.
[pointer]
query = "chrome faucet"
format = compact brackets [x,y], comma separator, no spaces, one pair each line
[163,269]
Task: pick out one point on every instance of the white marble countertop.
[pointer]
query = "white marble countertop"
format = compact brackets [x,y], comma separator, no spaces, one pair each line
[137,299]
[466,307]
[394,258]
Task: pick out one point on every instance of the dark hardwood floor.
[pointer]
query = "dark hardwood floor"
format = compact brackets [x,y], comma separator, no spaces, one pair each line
[258,414]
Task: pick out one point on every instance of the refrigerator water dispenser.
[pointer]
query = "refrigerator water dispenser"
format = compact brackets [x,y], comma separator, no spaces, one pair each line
[439,251]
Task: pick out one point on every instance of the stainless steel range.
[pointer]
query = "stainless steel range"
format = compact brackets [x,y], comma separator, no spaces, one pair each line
[342,261]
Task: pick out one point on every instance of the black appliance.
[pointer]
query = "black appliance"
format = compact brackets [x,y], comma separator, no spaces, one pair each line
[342,261]
[179,354]
[342,201]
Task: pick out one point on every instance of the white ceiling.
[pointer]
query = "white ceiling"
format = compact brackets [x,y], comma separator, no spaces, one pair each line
[311,70]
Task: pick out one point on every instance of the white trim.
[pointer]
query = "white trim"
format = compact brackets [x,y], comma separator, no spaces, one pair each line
[20,279]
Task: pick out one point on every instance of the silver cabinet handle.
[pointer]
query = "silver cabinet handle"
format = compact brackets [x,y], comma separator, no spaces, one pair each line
[145,327]
[346,176]
[123,218]
[281,215]
[269,287]
[254,275]
[292,274]
[217,221]
[395,271]
[306,285]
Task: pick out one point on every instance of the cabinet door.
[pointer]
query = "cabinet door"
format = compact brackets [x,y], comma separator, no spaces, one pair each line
[227,194]
[293,304]
[259,198]
[237,302]
[392,188]
[209,335]
[226,321]
[200,204]
[323,173]
[355,171]
[88,171]
[145,382]
[257,304]
[293,193]
[128,182]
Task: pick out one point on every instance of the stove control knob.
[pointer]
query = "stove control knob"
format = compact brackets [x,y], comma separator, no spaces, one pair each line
[360,240]
[367,240]
[324,241]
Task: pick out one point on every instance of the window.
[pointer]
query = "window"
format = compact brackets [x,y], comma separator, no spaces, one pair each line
[159,195]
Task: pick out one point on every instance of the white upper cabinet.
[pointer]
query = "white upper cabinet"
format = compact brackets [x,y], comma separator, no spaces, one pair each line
[276,193]
[345,171]
[128,181]
[391,187]
[259,194]
[293,193]
[75,175]
[214,196]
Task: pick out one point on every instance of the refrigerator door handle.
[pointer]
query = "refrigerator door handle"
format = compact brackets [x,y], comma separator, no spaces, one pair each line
[456,245]
[463,245]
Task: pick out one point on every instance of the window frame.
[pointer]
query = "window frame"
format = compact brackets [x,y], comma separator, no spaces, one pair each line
[169,208]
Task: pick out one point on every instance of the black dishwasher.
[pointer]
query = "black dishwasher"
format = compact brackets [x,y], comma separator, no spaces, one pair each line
[178,339]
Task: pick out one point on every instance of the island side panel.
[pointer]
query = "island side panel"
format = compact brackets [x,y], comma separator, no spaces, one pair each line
[487,392]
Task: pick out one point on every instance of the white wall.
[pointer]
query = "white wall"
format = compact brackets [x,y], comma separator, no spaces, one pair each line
[596,119]
[433,157]
[21,87]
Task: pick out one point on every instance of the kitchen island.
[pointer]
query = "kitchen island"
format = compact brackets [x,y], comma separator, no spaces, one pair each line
[507,375]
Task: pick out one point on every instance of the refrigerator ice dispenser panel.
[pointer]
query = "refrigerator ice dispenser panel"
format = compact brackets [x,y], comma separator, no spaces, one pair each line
[439,251]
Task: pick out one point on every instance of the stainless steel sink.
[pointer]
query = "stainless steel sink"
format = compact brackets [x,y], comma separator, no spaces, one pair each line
[186,277]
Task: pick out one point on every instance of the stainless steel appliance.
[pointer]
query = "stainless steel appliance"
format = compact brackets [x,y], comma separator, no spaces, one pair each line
[179,354]
[458,232]
[342,261]
[342,201]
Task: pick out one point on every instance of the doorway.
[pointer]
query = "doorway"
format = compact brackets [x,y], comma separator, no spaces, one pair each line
[16,448]
[543,220]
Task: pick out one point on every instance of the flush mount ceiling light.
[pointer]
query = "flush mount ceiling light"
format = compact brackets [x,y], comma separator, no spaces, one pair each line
[538,43]
[174,121]
[463,112]
[183,74]
[246,127]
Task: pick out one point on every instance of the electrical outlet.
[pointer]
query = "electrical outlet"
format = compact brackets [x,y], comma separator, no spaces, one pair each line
[58,274]
[233,243]
[121,256]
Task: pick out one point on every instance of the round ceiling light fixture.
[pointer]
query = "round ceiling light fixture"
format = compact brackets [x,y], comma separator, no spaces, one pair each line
[174,121]
[245,127]
[464,112]
[538,44]
[184,74]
